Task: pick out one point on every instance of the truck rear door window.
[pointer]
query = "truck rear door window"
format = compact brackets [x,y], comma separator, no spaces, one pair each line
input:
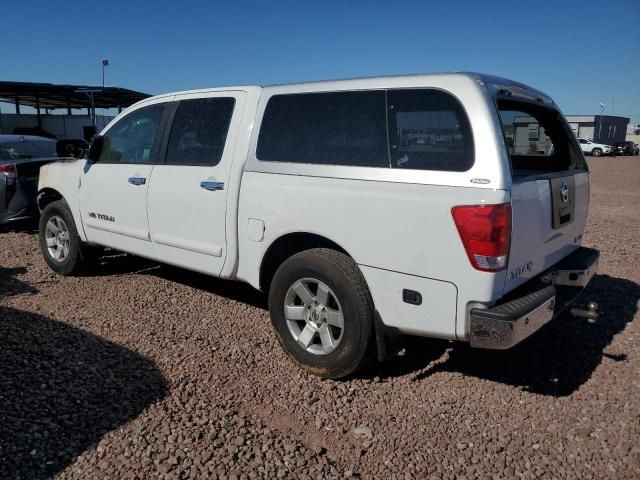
[428,130]
[538,139]
[199,131]
[332,128]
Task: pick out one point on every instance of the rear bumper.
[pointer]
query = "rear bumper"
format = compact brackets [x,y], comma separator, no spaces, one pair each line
[527,309]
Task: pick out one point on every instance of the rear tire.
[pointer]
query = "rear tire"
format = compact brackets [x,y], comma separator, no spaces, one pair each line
[322,312]
[596,152]
[59,242]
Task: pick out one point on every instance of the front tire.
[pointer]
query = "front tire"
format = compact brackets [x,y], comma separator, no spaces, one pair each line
[596,152]
[322,312]
[59,242]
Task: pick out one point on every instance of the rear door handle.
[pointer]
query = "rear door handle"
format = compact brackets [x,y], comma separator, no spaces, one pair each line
[137,180]
[212,186]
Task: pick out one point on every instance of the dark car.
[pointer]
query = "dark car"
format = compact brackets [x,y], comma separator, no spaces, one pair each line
[624,148]
[21,157]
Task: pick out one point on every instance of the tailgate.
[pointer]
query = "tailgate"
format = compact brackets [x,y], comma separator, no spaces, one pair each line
[550,187]
[548,218]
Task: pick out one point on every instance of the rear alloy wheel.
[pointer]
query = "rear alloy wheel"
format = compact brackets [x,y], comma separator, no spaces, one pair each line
[596,152]
[314,316]
[322,312]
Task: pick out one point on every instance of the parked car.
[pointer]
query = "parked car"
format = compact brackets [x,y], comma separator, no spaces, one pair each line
[316,194]
[21,157]
[591,148]
[625,148]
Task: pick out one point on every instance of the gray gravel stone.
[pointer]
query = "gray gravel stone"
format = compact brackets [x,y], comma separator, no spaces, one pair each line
[363,432]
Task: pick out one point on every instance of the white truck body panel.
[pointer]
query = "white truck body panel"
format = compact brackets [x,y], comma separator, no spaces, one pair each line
[394,227]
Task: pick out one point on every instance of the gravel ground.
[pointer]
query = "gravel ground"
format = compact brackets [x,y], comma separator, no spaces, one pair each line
[144,371]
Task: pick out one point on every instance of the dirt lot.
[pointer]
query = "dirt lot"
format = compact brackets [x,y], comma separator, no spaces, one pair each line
[143,370]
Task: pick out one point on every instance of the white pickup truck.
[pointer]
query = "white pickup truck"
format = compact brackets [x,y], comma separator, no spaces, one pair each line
[365,208]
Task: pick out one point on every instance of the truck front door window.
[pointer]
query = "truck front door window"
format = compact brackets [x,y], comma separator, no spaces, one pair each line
[132,139]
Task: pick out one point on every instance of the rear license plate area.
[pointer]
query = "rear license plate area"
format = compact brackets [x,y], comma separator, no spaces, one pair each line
[563,205]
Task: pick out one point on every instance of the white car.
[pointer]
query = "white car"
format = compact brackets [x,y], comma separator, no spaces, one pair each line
[319,195]
[591,148]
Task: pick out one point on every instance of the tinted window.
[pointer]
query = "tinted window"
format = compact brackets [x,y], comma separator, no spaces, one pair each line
[538,139]
[337,128]
[199,131]
[428,130]
[131,139]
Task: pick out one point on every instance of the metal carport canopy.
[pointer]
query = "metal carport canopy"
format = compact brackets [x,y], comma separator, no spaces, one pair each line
[48,95]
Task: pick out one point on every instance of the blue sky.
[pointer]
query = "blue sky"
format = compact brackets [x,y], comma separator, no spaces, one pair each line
[580,52]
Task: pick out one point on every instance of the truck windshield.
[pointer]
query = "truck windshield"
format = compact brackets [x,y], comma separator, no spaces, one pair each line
[538,139]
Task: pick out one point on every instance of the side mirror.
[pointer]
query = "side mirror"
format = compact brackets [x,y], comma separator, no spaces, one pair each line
[95,149]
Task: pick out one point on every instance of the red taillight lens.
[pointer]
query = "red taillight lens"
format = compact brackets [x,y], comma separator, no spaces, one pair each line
[9,170]
[485,231]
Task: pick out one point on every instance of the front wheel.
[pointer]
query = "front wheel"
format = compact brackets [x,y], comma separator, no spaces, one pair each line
[322,312]
[596,152]
[59,241]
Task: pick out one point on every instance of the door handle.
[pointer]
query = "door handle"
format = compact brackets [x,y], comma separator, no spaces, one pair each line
[137,180]
[212,186]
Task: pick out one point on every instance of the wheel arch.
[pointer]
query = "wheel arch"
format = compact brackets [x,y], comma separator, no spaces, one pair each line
[287,245]
[46,196]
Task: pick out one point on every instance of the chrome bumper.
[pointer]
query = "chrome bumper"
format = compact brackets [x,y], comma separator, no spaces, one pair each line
[510,322]
[572,277]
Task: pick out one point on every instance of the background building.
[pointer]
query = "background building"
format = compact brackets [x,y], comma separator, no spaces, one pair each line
[605,129]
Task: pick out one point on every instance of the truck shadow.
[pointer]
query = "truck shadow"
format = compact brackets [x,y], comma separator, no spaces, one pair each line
[555,361]
[61,390]
[117,263]
[112,262]
[237,291]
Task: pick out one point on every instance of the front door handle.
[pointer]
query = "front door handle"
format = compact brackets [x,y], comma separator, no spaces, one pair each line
[137,180]
[212,186]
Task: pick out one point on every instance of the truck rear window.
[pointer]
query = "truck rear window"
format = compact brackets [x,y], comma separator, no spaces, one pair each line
[538,139]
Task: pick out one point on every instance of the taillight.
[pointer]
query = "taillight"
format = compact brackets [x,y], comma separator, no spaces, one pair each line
[9,169]
[485,231]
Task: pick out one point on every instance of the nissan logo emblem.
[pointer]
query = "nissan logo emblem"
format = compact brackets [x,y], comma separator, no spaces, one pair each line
[564,192]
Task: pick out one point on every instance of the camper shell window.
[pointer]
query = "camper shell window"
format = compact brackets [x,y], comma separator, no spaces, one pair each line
[538,139]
